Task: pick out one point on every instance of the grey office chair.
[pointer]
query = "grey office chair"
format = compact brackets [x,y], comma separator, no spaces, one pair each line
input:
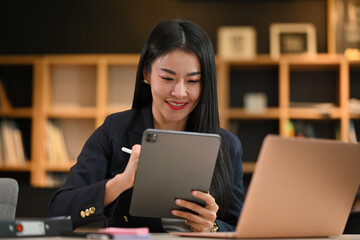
[9,190]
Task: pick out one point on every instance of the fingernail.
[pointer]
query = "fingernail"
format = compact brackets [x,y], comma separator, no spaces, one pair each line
[174,212]
[194,193]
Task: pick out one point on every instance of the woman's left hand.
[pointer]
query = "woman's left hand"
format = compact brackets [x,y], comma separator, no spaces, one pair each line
[203,221]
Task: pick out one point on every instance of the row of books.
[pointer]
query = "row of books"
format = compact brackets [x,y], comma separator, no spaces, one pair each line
[12,147]
[55,144]
[56,152]
[11,144]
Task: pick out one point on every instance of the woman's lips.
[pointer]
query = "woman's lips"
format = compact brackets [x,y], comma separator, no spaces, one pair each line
[176,105]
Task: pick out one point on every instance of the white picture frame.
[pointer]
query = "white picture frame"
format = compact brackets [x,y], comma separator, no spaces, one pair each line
[237,42]
[292,38]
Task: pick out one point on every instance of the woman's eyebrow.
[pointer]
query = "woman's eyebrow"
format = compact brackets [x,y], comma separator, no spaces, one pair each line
[193,73]
[174,73]
[168,71]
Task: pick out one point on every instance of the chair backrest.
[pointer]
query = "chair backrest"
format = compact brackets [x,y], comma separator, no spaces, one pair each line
[9,190]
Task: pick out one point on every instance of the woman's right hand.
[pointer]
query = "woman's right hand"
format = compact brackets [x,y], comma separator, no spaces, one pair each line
[130,170]
[125,180]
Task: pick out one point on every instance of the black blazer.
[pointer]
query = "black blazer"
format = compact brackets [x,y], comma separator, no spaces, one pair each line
[101,159]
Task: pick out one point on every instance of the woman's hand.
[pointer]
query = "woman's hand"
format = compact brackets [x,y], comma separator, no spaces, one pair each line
[204,221]
[123,181]
[130,170]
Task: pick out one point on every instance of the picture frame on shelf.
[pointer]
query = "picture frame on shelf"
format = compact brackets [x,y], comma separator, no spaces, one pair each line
[237,42]
[344,28]
[292,38]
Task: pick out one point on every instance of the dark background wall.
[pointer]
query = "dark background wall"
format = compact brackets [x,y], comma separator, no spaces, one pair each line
[121,26]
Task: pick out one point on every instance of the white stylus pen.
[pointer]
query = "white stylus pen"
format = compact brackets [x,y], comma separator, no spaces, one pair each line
[124,149]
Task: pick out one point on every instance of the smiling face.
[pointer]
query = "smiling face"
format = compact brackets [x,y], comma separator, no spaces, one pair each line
[175,81]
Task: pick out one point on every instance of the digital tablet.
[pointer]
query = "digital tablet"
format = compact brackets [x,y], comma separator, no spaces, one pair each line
[171,165]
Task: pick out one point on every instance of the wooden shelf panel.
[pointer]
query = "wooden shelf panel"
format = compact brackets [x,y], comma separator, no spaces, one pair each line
[260,60]
[240,113]
[62,167]
[311,113]
[16,168]
[248,167]
[114,109]
[317,60]
[18,60]
[17,112]
[123,59]
[80,59]
[91,59]
[355,115]
[73,113]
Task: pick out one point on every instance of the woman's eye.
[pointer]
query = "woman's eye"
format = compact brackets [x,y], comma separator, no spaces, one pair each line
[167,78]
[194,81]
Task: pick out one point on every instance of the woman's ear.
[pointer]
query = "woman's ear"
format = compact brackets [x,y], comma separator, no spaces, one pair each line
[146,76]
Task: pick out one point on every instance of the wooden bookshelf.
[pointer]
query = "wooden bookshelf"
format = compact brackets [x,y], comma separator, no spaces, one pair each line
[77,92]
[20,112]
[323,79]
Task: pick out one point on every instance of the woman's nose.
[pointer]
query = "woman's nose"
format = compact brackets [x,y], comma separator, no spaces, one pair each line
[179,90]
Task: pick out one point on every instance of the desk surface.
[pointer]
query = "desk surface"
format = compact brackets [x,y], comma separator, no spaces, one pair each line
[165,236]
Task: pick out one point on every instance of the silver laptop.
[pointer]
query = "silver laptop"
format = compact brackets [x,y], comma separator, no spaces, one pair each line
[300,188]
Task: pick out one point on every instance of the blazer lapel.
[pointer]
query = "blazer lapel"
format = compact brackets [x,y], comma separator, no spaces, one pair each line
[143,121]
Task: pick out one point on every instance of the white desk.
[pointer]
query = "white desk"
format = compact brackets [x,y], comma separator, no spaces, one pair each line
[165,236]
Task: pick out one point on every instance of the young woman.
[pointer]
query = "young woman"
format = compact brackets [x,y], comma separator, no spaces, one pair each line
[175,90]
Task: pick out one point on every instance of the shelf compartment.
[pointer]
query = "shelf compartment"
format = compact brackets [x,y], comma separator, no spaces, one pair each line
[17,82]
[251,134]
[355,80]
[13,125]
[72,86]
[75,132]
[254,79]
[121,86]
[356,122]
[355,83]
[328,129]
[315,84]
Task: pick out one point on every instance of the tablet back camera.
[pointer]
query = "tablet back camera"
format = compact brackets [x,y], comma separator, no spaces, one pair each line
[151,137]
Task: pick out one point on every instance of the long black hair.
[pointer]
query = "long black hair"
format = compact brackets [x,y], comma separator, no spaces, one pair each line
[189,37]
